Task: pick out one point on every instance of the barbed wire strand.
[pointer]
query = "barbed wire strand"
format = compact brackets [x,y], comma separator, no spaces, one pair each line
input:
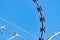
[42,19]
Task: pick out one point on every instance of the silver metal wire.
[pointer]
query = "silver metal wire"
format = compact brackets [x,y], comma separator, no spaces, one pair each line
[54,35]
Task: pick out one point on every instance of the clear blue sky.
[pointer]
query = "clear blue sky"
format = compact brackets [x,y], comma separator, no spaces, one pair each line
[23,13]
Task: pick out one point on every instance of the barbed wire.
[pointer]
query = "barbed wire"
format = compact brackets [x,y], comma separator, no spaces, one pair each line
[42,19]
[42,28]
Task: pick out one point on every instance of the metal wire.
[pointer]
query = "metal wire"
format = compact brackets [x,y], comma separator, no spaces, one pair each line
[42,19]
[54,35]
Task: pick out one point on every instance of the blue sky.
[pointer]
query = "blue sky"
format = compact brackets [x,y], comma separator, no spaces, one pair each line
[23,13]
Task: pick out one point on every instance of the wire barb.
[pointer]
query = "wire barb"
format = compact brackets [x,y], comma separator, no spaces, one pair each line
[35,1]
[39,9]
[41,38]
[16,35]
